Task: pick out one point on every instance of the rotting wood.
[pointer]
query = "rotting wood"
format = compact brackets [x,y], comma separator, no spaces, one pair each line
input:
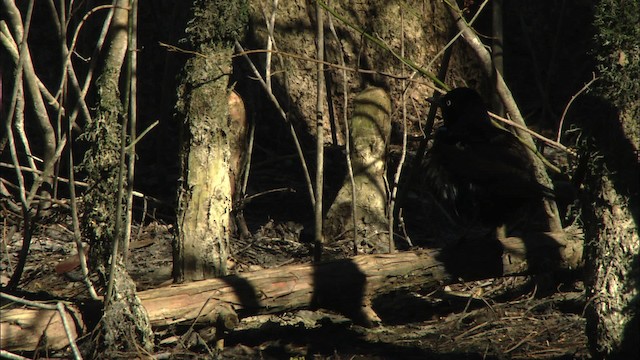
[345,285]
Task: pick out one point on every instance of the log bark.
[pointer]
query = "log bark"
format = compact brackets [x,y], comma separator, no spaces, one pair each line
[343,285]
[29,329]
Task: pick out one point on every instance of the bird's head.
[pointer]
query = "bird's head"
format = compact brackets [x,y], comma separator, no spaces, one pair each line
[463,110]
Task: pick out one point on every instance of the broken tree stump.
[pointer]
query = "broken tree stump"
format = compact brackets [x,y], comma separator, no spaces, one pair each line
[343,285]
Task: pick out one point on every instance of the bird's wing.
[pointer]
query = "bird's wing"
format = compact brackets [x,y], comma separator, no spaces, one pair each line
[500,166]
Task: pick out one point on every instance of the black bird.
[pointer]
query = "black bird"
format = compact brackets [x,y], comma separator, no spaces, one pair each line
[480,171]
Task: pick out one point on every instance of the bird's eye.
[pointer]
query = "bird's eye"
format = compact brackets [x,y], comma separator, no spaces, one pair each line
[448,103]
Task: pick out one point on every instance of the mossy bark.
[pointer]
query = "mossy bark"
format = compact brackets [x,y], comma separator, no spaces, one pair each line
[125,325]
[611,210]
[205,193]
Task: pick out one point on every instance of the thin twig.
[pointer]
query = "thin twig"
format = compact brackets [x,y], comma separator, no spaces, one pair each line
[80,104]
[83,21]
[67,329]
[566,108]
[251,197]
[422,146]
[319,133]
[35,304]
[270,20]
[477,327]
[136,139]
[59,307]
[325,63]
[68,72]
[77,235]
[249,154]
[551,209]
[522,341]
[347,135]
[455,37]
[15,207]
[275,102]
[48,169]
[396,179]
[304,58]
[132,110]
[382,45]
[546,140]
[79,183]
[4,354]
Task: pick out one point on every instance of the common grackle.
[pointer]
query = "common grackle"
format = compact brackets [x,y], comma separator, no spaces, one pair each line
[479,171]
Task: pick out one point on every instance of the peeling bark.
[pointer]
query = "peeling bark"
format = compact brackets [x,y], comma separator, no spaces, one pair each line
[208,164]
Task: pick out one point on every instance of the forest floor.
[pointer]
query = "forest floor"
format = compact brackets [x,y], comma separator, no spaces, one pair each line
[506,318]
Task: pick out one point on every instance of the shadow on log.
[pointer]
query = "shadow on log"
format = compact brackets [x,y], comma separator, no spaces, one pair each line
[346,286]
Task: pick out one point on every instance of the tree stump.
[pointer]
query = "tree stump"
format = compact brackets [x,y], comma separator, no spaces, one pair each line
[370,126]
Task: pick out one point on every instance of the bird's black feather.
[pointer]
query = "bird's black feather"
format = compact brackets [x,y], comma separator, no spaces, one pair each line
[479,170]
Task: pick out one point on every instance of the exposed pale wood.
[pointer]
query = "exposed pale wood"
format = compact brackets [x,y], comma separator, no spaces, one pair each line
[212,141]
[344,285]
[205,199]
[24,329]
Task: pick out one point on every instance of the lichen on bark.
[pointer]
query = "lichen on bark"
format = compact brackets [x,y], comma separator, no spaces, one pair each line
[611,210]
[204,197]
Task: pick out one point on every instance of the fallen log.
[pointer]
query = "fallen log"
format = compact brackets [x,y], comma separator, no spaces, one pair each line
[30,329]
[345,286]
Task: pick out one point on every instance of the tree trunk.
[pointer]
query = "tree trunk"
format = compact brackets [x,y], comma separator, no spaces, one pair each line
[423,26]
[205,195]
[125,325]
[292,80]
[611,209]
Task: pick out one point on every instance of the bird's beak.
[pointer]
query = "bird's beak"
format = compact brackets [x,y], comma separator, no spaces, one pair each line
[435,100]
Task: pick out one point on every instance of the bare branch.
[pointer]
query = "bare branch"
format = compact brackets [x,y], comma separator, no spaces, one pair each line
[10,45]
[31,84]
[511,107]
[130,150]
[396,180]
[347,135]
[286,119]
[566,109]
[319,241]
